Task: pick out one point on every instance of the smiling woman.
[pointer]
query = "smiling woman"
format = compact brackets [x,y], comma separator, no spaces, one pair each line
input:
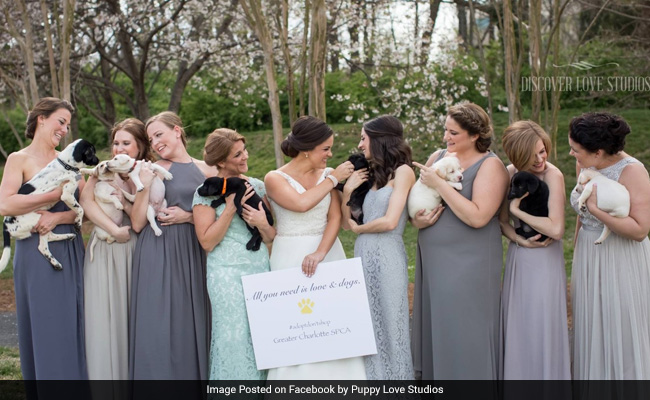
[49,303]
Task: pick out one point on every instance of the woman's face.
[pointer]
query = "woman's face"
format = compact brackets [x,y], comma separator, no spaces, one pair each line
[321,153]
[585,158]
[539,164]
[163,139]
[364,144]
[125,143]
[458,139]
[237,161]
[56,126]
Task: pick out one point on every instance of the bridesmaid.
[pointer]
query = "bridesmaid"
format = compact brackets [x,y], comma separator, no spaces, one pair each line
[535,336]
[107,277]
[169,319]
[459,257]
[610,284]
[49,303]
[224,235]
[380,244]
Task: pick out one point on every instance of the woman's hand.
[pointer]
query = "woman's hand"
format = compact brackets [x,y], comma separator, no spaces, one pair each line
[146,174]
[121,234]
[429,176]
[343,171]
[310,262]
[531,242]
[46,223]
[355,180]
[255,217]
[354,227]
[174,215]
[422,219]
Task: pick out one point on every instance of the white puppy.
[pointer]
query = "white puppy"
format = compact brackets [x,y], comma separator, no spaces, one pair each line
[612,197]
[63,169]
[422,197]
[107,199]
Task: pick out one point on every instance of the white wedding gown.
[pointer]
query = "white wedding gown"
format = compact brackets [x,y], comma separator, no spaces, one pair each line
[299,234]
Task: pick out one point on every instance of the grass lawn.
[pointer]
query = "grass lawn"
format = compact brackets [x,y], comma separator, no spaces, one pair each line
[9,364]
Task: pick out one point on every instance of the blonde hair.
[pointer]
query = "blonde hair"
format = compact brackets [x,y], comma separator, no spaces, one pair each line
[475,121]
[519,140]
[170,119]
[218,145]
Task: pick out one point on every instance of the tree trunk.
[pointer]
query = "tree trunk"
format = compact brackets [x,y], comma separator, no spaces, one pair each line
[535,44]
[353,31]
[282,21]
[434,6]
[462,23]
[318,45]
[512,73]
[66,38]
[257,21]
[486,74]
[50,49]
[302,86]
[27,46]
[13,129]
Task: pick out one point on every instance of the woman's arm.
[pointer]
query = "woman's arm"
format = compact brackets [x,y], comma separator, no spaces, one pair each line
[211,230]
[637,225]
[553,225]
[96,215]
[310,261]
[12,203]
[488,191]
[404,180]
[138,213]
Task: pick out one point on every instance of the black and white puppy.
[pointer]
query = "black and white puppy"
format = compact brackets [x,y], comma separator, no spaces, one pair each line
[536,203]
[222,187]
[359,194]
[63,169]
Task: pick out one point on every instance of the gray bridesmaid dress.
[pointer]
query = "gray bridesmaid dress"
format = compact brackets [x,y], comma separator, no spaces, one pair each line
[386,273]
[457,295]
[49,307]
[169,320]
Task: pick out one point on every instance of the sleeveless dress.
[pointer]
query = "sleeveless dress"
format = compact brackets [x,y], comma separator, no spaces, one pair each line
[50,308]
[231,348]
[107,294]
[297,235]
[610,288]
[534,340]
[457,295]
[386,273]
[169,319]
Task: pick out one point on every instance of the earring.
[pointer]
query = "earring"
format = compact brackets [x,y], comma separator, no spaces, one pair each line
[306,155]
[42,124]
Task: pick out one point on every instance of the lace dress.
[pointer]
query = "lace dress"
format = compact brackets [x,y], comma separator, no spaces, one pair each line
[610,288]
[231,347]
[299,234]
[386,273]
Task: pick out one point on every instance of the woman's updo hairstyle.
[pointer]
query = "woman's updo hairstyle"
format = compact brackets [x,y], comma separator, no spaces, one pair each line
[307,133]
[475,121]
[45,107]
[599,130]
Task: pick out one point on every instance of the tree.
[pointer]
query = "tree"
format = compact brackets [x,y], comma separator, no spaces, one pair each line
[317,63]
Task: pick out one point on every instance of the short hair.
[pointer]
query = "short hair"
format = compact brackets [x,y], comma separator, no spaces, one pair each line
[519,141]
[218,145]
[475,121]
[136,128]
[599,130]
[306,133]
[170,119]
[45,107]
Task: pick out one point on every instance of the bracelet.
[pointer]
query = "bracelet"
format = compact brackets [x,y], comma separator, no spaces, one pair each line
[333,179]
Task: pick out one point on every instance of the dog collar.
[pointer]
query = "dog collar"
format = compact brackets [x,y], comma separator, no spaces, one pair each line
[223,190]
[133,167]
[66,166]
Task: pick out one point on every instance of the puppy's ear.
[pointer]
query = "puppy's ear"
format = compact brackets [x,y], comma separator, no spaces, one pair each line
[442,171]
[533,184]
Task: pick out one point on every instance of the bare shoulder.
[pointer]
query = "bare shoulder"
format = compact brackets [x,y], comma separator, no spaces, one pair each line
[553,173]
[164,163]
[207,170]
[634,173]
[404,172]
[493,164]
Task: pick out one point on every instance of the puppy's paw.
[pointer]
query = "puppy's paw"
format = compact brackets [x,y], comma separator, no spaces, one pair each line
[156,231]
[139,188]
[597,242]
[57,265]
[167,176]
[583,208]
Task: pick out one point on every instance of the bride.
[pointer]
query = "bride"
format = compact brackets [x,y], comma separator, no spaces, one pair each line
[308,215]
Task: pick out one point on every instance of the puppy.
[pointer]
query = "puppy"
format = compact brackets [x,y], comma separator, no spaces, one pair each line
[422,197]
[63,169]
[123,164]
[359,194]
[536,203]
[613,197]
[106,198]
[222,187]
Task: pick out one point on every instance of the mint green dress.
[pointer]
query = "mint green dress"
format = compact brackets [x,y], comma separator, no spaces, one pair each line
[231,348]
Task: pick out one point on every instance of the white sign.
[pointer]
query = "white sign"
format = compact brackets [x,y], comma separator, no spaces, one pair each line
[298,320]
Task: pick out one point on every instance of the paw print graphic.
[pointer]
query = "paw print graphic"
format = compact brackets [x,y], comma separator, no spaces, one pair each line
[306,306]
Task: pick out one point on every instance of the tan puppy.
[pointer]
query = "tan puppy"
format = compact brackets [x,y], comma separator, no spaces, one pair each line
[422,197]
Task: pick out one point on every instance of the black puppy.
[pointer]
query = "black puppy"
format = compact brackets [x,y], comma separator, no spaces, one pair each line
[359,194]
[536,203]
[222,187]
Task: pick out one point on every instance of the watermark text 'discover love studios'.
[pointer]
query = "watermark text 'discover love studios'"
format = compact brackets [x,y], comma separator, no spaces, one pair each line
[585,83]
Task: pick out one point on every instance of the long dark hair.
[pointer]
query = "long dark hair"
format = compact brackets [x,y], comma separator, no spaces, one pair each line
[388,150]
